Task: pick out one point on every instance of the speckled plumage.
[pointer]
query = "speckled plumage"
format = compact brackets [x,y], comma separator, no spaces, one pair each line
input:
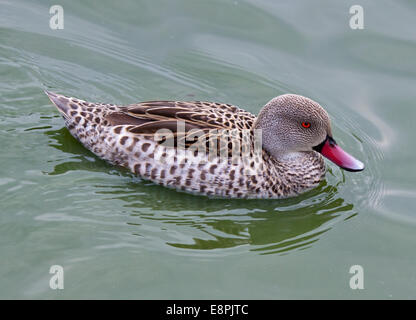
[126,136]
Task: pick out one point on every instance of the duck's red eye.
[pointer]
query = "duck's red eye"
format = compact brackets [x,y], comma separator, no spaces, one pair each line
[306,124]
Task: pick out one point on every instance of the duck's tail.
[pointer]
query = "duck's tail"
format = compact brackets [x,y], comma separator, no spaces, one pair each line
[68,107]
[83,119]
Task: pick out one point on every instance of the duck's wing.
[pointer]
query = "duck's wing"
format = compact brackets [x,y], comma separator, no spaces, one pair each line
[187,121]
[155,115]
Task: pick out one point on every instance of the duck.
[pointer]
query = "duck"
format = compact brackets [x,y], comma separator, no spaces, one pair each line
[212,149]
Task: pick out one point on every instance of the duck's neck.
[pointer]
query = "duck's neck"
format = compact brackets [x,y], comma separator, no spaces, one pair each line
[295,172]
[287,157]
[298,165]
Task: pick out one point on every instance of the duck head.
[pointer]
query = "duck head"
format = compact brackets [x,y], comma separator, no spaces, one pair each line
[291,123]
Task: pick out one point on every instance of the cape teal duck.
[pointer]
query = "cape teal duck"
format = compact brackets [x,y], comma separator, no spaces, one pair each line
[191,146]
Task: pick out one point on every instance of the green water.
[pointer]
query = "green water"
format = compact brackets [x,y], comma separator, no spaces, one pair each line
[119,237]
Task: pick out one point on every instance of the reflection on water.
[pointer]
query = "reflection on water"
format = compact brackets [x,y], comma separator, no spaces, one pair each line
[269,226]
[266,226]
[84,159]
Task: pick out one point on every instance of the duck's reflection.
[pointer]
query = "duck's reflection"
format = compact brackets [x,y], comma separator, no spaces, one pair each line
[268,226]
[265,226]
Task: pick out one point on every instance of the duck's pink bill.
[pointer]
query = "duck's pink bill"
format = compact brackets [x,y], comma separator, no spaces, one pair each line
[333,152]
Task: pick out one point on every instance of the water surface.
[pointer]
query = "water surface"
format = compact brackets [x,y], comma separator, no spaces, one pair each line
[118,236]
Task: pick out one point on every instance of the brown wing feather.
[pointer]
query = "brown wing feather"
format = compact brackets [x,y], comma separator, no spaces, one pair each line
[205,119]
[152,127]
[203,115]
